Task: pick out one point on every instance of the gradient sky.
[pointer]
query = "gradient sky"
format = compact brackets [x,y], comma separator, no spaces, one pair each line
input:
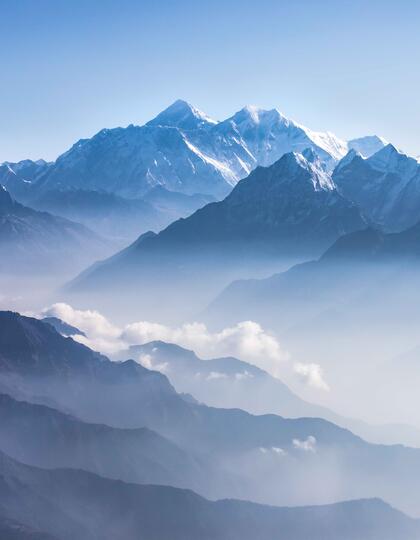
[72,67]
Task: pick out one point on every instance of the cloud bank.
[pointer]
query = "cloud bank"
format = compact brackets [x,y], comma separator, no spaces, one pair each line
[246,340]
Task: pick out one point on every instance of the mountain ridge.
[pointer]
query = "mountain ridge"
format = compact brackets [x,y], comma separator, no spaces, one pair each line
[183,150]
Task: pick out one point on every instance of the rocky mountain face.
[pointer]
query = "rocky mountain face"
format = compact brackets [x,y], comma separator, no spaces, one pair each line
[386,186]
[289,211]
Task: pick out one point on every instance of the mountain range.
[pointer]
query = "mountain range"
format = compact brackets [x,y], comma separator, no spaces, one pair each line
[264,458]
[76,504]
[287,212]
[258,218]
[183,150]
[41,241]
[116,217]
[232,383]
[367,260]
[385,186]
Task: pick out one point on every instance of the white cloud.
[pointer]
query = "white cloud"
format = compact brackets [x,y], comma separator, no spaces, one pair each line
[148,362]
[246,340]
[308,445]
[214,375]
[240,376]
[273,450]
[278,450]
[312,375]
[101,335]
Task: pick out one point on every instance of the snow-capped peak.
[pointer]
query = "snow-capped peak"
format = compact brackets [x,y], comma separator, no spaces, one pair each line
[253,112]
[329,142]
[255,116]
[183,115]
[368,145]
[288,167]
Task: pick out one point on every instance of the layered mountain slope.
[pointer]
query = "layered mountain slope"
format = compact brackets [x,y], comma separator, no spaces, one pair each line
[359,301]
[365,260]
[224,382]
[289,211]
[231,383]
[114,216]
[105,213]
[38,364]
[386,186]
[42,436]
[271,457]
[38,239]
[75,504]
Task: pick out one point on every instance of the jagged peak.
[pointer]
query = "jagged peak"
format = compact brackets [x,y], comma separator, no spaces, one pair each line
[183,115]
[388,150]
[347,159]
[389,158]
[256,115]
[288,167]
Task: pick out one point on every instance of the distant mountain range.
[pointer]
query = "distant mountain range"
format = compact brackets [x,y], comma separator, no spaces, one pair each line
[359,301]
[38,241]
[76,504]
[265,458]
[367,263]
[126,181]
[183,150]
[231,383]
[116,217]
[134,455]
[289,211]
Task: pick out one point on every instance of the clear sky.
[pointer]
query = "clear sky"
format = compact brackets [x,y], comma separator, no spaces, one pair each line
[72,67]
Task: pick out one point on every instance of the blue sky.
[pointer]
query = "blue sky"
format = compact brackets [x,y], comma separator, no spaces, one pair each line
[72,67]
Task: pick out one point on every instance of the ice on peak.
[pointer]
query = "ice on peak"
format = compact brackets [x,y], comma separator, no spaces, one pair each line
[310,155]
[368,145]
[257,115]
[183,115]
